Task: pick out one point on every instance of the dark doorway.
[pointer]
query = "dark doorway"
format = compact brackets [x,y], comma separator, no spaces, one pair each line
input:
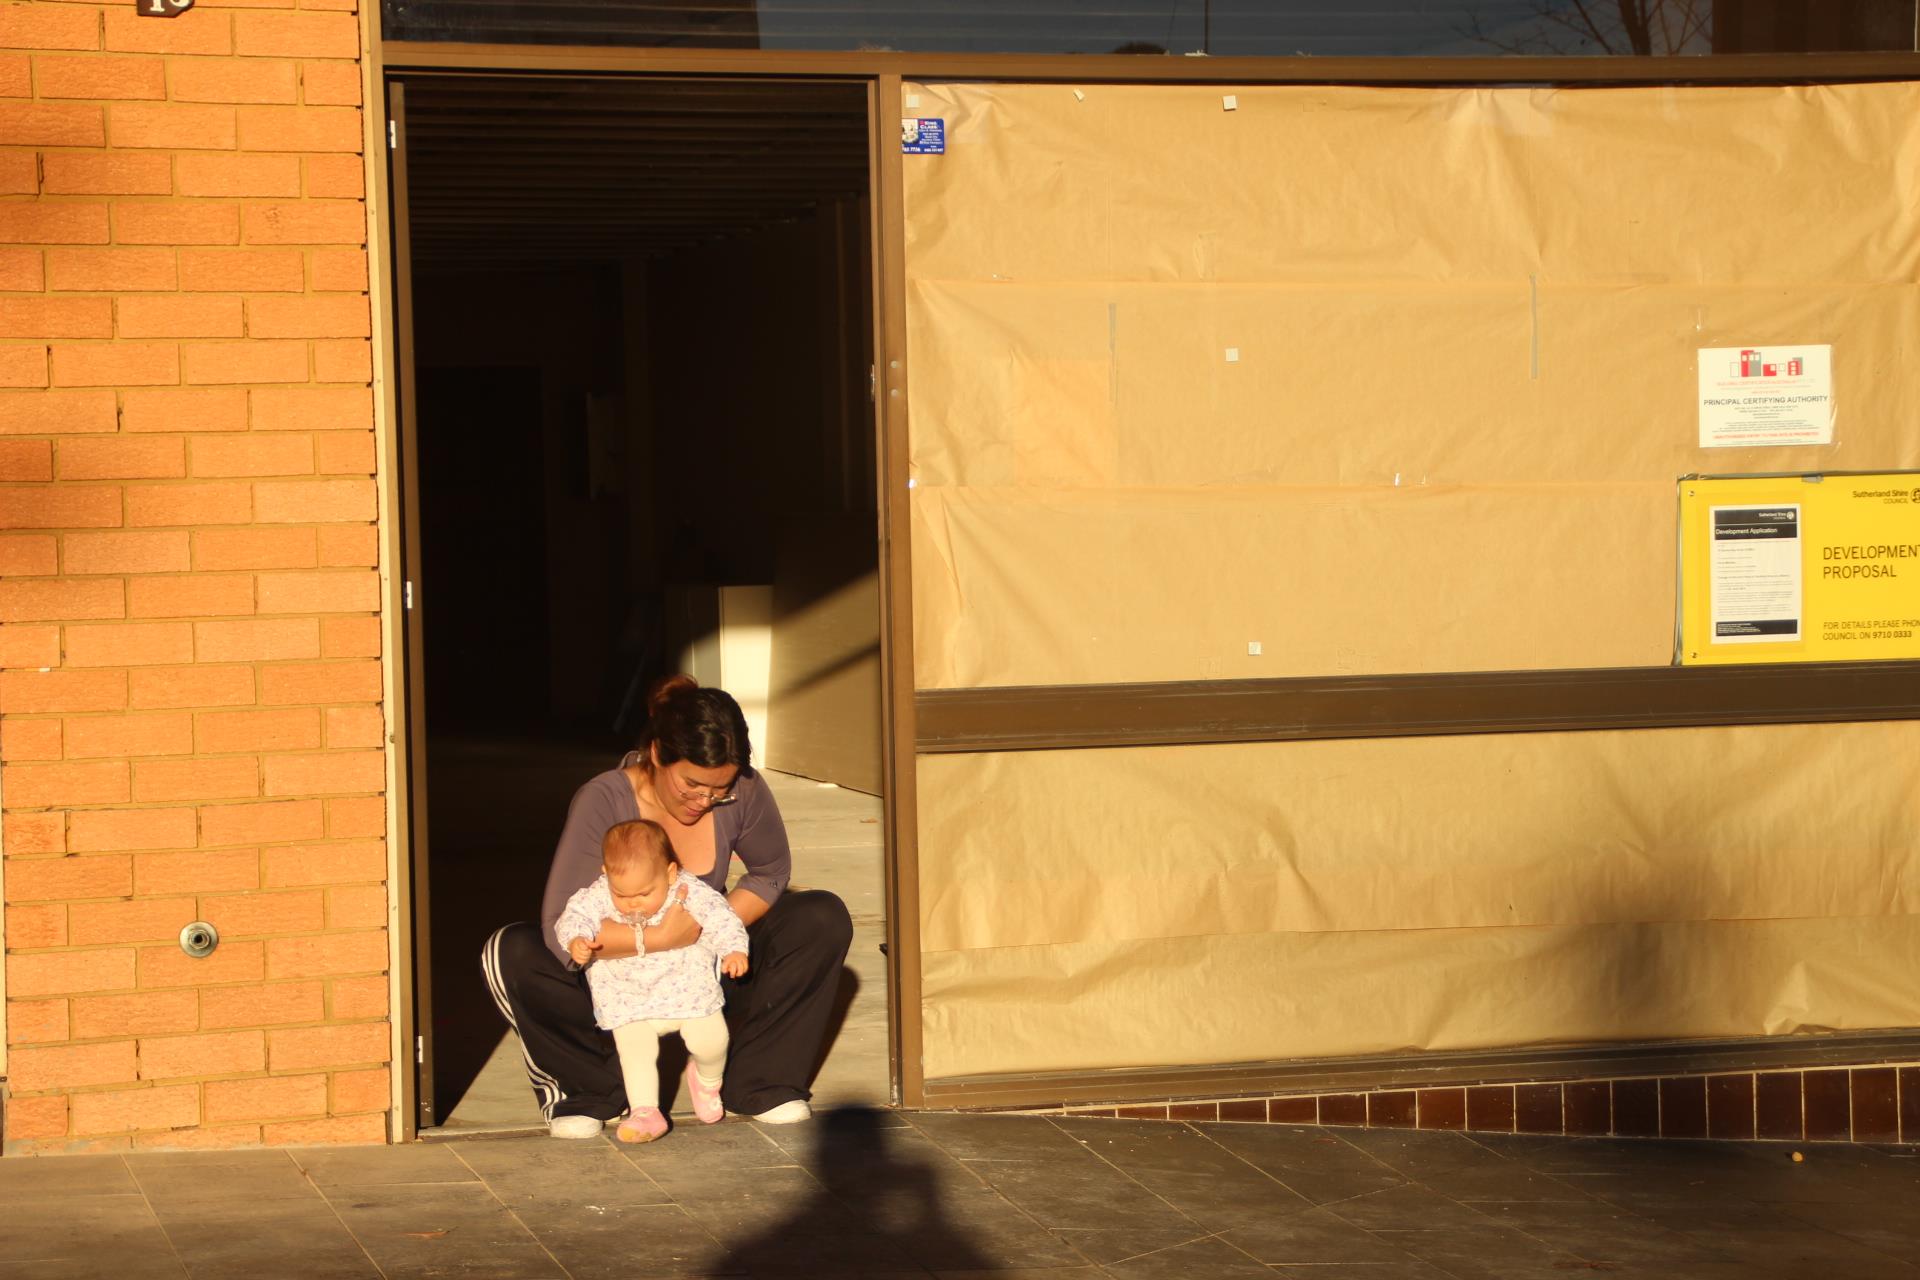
[641,350]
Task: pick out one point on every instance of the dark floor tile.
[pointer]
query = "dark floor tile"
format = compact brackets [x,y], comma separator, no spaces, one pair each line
[1829,1106]
[1091,1195]
[1208,1258]
[49,1176]
[1408,1208]
[1874,1226]
[1316,1237]
[1411,1269]
[539,1172]
[1187,1169]
[1589,1108]
[1490,1108]
[1730,1107]
[435,1229]
[1443,1108]
[973,1229]
[1777,1106]
[378,1166]
[968,1137]
[75,1235]
[1391,1109]
[1491,1252]
[1313,1164]
[1876,1104]
[1102,1247]
[227,1239]
[1537,1108]
[1683,1107]
[1780,1242]
[176,1177]
[1598,1232]
[1636,1108]
[1459,1168]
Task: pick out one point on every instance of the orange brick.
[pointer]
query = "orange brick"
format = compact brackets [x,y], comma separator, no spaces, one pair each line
[131,1110]
[227,869]
[198,686]
[341,1130]
[101,77]
[336,177]
[251,361]
[16,76]
[361,906]
[242,270]
[71,1066]
[49,27]
[296,35]
[328,955]
[261,823]
[42,1117]
[244,915]
[57,317]
[196,31]
[28,555]
[355,727]
[349,546]
[40,125]
[26,692]
[329,591]
[43,786]
[180,317]
[219,175]
[130,645]
[295,684]
[342,360]
[118,830]
[275,548]
[172,127]
[43,224]
[21,270]
[221,778]
[219,80]
[350,637]
[218,1137]
[57,599]
[330,83]
[311,128]
[305,1048]
[34,1022]
[195,410]
[29,739]
[147,1013]
[69,173]
[31,927]
[177,504]
[274,455]
[30,833]
[117,364]
[161,733]
[142,920]
[268,1098]
[219,1053]
[123,458]
[169,966]
[265,640]
[19,170]
[359,816]
[361,1091]
[331,409]
[311,501]
[303,317]
[196,595]
[262,1006]
[175,222]
[326,772]
[161,552]
[36,413]
[295,729]
[307,222]
[340,269]
[359,997]
[29,460]
[23,366]
[59,973]
[72,1147]
[347,862]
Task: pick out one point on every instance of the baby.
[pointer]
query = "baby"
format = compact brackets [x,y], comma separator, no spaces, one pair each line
[641,998]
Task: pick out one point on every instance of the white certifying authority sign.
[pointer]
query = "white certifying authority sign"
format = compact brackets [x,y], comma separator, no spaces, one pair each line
[1757,396]
[1754,574]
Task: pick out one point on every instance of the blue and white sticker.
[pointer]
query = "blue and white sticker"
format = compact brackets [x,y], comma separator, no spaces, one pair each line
[927,137]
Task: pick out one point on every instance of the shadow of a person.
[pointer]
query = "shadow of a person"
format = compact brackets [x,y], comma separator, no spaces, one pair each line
[880,1210]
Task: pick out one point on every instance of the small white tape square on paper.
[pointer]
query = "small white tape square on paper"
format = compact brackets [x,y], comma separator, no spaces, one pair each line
[1233,355]
[913,100]
[1230,102]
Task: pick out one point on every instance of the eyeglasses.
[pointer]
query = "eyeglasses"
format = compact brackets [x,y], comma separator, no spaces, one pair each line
[714,797]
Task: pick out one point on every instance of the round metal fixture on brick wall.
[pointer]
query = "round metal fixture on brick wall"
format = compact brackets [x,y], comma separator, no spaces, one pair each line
[199,939]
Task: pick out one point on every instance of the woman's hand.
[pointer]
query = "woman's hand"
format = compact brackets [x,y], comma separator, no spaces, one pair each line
[676,929]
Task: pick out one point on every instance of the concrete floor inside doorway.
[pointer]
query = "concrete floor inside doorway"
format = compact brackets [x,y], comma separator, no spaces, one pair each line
[487,850]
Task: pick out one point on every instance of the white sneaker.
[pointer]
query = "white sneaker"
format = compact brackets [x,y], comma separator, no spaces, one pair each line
[575,1127]
[792,1112]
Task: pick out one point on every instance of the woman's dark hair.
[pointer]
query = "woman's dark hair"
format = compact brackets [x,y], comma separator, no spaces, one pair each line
[701,726]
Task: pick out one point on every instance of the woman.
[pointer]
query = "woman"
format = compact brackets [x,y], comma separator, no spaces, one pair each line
[690,775]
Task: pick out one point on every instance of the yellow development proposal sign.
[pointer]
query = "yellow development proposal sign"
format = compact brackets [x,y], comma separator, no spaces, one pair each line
[1806,568]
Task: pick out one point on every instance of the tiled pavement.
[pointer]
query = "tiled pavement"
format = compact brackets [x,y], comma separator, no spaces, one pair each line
[875,1194]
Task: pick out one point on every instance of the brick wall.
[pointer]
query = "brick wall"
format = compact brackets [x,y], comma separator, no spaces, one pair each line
[190,678]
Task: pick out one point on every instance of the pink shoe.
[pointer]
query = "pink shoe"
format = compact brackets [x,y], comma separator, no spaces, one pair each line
[705,1098]
[644,1125]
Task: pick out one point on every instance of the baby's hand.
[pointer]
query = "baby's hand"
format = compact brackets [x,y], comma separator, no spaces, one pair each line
[734,964]
[582,949]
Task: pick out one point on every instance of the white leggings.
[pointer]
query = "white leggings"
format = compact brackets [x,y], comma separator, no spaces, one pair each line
[639,1046]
